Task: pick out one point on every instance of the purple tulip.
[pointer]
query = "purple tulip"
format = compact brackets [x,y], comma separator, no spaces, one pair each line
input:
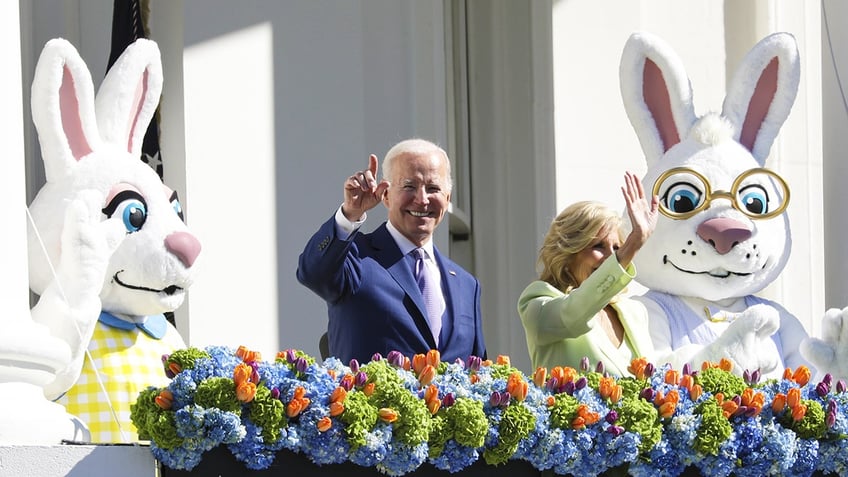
[460,362]
[568,387]
[737,399]
[290,356]
[830,420]
[474,363]
[376,357]
[360,379]
[755,376]
[301,365]
[751,412]
[584,364]
[746,375]
[354,365]
[495,399]
[580,383]
[395,358]
[822,389]
[615,430]
[275,393]
[827,378]
[649,369]
[599,368]
[611,417]
[448,400]
[505,397]
[687,369]
[552,384]
[840,386]
[647,394]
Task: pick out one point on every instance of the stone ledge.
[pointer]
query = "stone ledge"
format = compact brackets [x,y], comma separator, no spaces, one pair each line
[69,460]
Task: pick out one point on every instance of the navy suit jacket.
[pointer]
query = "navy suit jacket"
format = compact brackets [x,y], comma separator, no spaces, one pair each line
[373,301]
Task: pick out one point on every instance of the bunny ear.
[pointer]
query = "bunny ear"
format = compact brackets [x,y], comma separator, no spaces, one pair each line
[657,94]
[129,94]
[63,108]
[762,92]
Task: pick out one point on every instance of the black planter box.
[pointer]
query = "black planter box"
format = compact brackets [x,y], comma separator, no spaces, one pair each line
[219,462]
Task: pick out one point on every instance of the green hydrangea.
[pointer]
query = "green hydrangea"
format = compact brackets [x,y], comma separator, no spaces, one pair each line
[469,422]
[153,422]
[218,392]
[640,416]
[186,358]
[516,423]
[564,410]
[716,380]
[268,413]
[714,428]
[812,426]
[359,416]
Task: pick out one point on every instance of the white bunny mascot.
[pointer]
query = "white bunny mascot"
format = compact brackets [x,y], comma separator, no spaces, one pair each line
[723,234]
[91,146]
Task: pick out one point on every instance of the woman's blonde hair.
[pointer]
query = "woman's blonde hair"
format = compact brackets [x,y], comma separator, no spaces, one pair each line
[574,229]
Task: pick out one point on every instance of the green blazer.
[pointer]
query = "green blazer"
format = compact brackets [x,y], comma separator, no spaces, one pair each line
[561,328]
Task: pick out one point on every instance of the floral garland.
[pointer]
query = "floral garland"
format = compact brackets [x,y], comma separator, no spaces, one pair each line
[396,413]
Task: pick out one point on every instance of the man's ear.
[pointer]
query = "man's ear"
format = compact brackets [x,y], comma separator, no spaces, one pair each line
[385,197]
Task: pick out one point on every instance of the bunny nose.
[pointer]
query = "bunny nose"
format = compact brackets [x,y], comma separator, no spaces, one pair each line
[723,233]
[184,245]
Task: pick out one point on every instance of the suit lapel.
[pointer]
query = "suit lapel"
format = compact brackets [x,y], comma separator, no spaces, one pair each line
[451,287]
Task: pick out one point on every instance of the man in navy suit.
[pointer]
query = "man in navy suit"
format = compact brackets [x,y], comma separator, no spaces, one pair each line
[369,282]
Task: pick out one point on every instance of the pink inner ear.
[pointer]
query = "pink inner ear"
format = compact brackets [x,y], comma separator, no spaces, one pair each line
[655,92]
[71,121]
[135,111]
[759,106]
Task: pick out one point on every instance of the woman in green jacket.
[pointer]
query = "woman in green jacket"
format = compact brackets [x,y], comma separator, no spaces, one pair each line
[576,308]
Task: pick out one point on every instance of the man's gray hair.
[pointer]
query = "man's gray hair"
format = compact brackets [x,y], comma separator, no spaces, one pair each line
[414,146]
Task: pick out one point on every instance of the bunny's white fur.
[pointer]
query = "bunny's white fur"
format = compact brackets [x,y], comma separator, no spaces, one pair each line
[93,144]
[717,259]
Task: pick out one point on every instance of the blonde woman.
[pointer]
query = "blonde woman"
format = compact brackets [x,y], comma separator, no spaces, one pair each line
[575,309]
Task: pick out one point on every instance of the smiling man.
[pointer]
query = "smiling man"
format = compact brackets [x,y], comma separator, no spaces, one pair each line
[391,290]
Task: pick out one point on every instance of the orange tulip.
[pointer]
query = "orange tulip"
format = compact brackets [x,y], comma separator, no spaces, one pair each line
[347,381]
[368,389]
[540,376]
[407,364]
[427,375]
[695,392]
[504,360]
[666,410]
[686,381]
[728,408]
[246,391]
[578,423]
[778,404]
[336,408]
[801,375]
[725,365]
[550,401]
[474,378]
[793,397]
[672,396]
[605,386]
[164,400]
[672,376]
[294,408]
[434,406]
[434,357]
[615,396]
[174,368]
[637,367]
[324,424]
[486,362]
[418,362]
[338,395]
[388,414]
[431,393]
[787,373]
[332,373]
[242,373]
[558,373]
[798,412]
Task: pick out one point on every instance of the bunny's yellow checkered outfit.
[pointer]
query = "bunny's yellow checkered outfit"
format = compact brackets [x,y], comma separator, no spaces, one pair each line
[128,360]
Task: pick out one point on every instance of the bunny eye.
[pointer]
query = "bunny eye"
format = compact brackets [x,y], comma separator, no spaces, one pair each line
[178,207]
[682,197]
[754,199]
[130,207]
